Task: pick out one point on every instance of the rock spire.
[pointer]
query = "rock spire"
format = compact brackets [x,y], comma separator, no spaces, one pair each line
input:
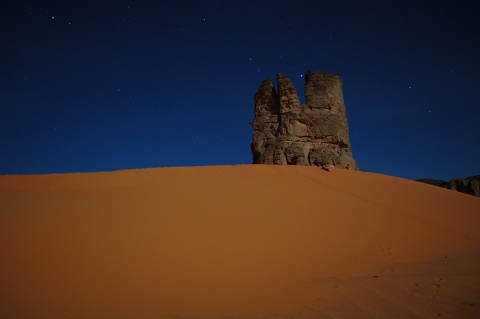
[316,133]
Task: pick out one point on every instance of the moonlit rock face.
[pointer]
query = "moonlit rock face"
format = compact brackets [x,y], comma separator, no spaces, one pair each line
[287,133]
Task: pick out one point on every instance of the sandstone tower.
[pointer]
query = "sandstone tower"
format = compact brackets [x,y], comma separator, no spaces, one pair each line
[287,133]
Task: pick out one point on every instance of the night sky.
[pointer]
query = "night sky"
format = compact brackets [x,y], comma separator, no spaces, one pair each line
[108,85]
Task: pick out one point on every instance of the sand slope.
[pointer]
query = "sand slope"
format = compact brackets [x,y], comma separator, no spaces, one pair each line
[248,241]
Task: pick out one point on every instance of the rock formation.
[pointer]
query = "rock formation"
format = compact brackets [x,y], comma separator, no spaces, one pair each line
[470,185]
[287,133]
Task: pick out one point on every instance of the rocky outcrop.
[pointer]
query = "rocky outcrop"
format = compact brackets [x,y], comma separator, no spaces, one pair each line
[470,185]
[287,133]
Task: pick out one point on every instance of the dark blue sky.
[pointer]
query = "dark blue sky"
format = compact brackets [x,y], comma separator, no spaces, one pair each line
[107,85]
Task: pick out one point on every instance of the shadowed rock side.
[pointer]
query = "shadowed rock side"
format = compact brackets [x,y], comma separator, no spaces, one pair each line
[470,185]
[287,133]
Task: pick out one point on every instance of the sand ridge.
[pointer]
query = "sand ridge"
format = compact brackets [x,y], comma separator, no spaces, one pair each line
[247,241]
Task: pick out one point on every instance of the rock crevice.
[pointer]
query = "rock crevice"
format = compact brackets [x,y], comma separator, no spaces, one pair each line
[316,133]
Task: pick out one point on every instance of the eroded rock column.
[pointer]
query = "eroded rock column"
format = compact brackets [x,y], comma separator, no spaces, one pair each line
[287,133]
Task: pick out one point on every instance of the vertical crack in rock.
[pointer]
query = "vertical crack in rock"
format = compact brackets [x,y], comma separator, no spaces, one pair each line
[316,133]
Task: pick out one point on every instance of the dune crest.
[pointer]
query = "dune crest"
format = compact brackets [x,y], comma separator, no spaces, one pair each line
[247,241]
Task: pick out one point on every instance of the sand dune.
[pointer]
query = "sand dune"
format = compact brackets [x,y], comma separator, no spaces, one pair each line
[248,241]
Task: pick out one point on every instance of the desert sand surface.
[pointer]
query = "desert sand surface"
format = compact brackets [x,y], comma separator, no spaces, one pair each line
[247,241]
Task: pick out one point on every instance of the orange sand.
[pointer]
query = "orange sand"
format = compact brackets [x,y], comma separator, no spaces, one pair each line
[248,241]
